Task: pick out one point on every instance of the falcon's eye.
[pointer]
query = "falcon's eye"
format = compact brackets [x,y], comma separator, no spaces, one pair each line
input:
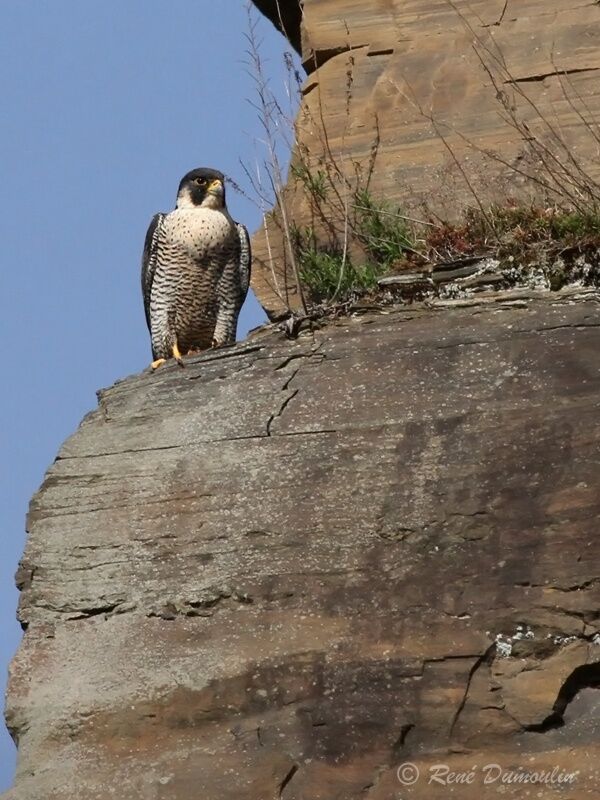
[201,181]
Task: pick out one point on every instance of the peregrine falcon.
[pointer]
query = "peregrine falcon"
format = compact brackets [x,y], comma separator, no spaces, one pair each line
[195,270]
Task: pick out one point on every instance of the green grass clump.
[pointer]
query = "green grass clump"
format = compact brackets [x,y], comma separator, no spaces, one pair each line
[327,273]
[336,264]
[576,224]
[315,183]
[513,230]
[534,223]
[383,232]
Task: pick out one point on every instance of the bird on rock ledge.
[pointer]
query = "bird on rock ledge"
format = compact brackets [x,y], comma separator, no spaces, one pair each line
[195,270]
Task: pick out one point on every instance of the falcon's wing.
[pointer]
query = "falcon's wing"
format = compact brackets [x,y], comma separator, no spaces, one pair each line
[149,262]
[245,258]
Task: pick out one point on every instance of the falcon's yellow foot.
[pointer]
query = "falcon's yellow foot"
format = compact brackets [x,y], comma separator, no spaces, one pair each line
[216,343]
[158,363]
[177,355]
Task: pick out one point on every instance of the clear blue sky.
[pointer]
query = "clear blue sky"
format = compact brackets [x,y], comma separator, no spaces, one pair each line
[105,106]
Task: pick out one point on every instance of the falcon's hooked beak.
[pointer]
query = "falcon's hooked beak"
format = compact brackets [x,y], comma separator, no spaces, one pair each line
[215,195]
[216,188]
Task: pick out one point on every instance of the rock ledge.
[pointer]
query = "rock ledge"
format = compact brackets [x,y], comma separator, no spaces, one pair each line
[293,566]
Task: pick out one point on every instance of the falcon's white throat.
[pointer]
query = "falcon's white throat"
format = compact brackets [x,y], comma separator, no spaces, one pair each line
[184,199]
[214,201]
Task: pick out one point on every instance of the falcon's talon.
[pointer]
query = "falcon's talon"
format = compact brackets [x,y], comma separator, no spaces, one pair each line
[158,363]
[176,352]
[177,355]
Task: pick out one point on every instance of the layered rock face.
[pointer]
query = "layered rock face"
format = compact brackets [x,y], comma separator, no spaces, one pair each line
[293,567]
[428,88]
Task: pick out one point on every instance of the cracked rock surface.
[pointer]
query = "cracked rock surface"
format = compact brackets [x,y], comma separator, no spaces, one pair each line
[291,567]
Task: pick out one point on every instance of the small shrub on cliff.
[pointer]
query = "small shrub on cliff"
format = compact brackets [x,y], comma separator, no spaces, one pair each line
[543,247]
[382,231]
[329,273]
[336,264]
[514,230]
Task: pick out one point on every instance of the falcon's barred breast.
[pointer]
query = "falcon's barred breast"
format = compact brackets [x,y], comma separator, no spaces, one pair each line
[195,270]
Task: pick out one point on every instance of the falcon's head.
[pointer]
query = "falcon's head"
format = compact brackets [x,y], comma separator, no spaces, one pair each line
[202,188]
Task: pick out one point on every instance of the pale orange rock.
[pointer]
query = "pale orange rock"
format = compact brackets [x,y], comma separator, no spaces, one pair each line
[406,78]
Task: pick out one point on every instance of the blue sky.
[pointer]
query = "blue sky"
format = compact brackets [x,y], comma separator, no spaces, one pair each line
[105,106]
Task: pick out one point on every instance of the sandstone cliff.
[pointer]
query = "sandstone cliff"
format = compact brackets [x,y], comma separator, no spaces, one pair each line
[430,85]
[312,569]
[291,567]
